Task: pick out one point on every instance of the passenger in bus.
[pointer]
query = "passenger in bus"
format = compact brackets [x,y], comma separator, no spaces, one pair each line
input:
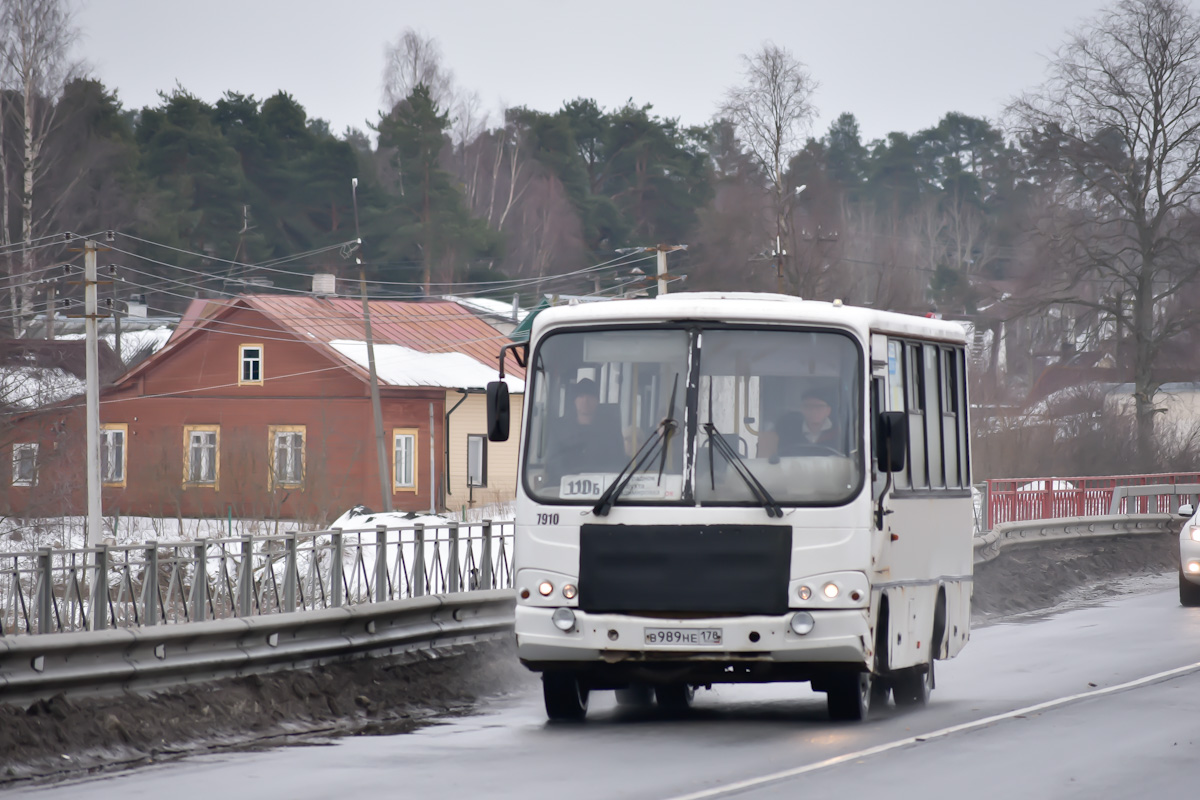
[810,431]
[586,440]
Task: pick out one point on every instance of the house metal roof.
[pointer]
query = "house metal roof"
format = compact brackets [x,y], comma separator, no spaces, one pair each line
[426,327]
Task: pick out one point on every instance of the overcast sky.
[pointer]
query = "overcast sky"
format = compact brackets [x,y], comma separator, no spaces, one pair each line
[895,65]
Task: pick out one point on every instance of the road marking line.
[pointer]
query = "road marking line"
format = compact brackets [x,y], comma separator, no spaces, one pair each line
[750,783]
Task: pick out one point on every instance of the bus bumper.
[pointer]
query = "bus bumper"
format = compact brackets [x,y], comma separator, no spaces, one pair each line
[837,637]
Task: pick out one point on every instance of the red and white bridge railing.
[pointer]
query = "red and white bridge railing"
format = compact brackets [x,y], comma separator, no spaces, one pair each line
[1022,499]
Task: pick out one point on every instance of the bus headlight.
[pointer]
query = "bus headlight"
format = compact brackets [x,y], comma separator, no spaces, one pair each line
[802,622]
[569,591]
[563,619]
[1195,535]
[830,590]
[545,588]
[804,592]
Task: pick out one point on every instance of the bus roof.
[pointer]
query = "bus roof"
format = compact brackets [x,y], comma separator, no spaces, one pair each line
[749,307]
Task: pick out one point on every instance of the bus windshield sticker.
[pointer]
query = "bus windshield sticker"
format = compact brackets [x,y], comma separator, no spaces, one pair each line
[644,486]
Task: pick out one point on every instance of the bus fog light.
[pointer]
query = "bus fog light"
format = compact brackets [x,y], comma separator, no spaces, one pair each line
[569,591]
[830,590]
[802,622]
[804,592]
[1194,567]
[545,588]
[563,619]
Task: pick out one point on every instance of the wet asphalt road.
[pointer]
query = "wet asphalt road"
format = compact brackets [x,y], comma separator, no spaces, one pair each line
[774,741]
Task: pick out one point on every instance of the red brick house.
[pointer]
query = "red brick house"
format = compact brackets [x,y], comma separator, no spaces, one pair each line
[260,407]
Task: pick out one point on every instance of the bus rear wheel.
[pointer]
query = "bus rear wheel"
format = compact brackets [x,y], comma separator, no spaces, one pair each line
[566,698]
[636,695]
[674,698]
[911,687]
[849,697]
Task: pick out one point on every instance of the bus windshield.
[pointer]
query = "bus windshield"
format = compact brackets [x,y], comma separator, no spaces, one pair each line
[598,398]
[787,406]
[775,416]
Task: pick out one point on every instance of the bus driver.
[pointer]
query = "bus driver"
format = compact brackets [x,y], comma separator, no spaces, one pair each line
[582,442]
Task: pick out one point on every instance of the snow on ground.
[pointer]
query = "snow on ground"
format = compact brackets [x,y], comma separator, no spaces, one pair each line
[401,366]
[23,535]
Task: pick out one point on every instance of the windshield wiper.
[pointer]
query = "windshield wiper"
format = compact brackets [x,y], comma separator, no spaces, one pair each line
[662,435]
[716,441]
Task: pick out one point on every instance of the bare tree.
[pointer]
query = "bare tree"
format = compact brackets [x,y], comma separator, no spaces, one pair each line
[1117,125]
[772,112]
[36,37]
[411,60]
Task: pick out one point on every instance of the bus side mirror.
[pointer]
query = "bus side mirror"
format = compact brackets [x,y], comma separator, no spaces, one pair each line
[891,441]
[1186,510]
[497,411]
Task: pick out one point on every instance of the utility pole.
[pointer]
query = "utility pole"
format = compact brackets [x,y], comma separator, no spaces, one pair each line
[92,376]
[662,251]
[376,409]
[50,314]
[779,254]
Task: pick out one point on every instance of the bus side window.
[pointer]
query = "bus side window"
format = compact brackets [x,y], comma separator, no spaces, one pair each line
[964,435]
[933,417]
[914,371]
[951,446]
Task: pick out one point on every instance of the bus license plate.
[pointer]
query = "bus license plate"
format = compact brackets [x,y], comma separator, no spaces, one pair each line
[684,636]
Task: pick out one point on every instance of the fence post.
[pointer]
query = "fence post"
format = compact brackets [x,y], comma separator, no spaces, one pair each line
[381,571]
[150,585]
[486,572]
[453,572]
[335,571]
[246,579]
[418,570]
[289,572]
[200,583]
[45,589]
[100,589]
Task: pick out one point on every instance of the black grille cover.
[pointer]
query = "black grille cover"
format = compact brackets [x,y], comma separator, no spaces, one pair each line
[729,569]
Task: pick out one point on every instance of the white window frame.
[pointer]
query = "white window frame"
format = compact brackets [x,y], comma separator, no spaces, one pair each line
[404,444]
[188,432]
[274,434]
[477,479]
[108,432]
[244,360]
[18,449]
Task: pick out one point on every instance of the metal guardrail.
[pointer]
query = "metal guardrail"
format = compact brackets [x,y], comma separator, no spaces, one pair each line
[1167,498]
[989,545]
[152,657]
[169,583]
[1028,499]
[344,595]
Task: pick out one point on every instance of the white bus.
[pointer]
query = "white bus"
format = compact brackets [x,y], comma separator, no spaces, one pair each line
[723,488]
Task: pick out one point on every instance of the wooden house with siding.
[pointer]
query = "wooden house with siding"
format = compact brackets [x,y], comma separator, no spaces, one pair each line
[260,407]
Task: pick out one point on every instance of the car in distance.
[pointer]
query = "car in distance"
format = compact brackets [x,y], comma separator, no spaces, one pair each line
[1189,557]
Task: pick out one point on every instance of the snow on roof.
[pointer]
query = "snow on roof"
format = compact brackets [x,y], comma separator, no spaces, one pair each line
[151,339]
[488,305]
[34,387]
[397,365]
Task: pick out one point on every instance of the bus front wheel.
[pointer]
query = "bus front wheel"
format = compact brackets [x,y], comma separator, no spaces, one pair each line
[566,698]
